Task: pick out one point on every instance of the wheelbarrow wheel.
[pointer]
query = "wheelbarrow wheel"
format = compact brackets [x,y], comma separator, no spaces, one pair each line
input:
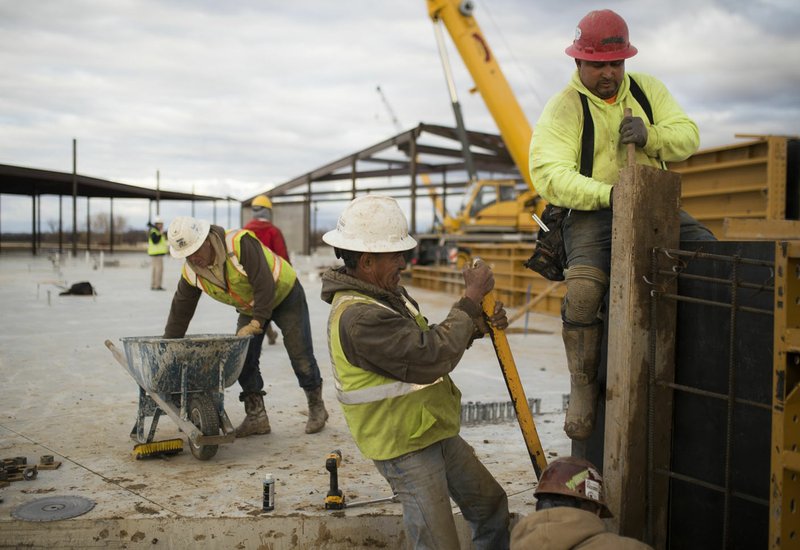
[203,414]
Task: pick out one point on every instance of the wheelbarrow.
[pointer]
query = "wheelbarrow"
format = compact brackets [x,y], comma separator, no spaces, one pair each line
[184,378]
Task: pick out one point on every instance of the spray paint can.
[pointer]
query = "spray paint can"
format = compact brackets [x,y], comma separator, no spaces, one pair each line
[269,493]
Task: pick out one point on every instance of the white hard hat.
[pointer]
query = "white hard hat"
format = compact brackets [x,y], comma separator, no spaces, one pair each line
[186,235]
[158,219]
[372,223]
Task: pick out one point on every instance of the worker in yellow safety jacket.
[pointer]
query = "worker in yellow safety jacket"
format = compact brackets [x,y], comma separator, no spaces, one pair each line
[157,248]
[576,153]
[391,369]
[236,269]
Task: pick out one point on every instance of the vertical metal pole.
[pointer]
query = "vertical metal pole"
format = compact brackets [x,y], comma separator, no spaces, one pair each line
[307,223]
[413,174]
[732,339]
[352,180]
[39,238]
[444,196]
[111,227]
[60,224]
[33,223]
[314,224]
[88,225]
[214,202]
[158,193]
[74,198]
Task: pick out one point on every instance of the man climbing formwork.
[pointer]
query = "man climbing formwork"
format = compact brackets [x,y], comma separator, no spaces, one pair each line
[576,154]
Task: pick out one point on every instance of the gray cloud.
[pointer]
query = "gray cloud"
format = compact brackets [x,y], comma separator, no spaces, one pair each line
[234,97]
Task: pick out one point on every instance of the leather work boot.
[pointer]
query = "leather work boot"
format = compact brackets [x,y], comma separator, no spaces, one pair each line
[317,415]
[256,422]
[583,358]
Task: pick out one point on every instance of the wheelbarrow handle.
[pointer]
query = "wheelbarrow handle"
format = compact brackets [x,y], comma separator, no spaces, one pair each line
[116,353]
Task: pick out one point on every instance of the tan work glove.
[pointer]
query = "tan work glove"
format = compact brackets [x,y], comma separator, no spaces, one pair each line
[251,329]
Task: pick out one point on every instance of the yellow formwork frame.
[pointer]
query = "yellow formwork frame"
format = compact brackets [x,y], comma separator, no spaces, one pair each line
[784,525]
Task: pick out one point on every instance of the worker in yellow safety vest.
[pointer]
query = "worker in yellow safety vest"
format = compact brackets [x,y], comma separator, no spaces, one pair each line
[157,248]
[234,268]
[391,370]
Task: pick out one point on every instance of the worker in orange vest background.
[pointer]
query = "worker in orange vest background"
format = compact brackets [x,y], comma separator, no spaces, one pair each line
[271,237]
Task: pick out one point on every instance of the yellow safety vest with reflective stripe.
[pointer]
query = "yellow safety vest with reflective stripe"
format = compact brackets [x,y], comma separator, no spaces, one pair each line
[157,249]
[386,416]
[239,292]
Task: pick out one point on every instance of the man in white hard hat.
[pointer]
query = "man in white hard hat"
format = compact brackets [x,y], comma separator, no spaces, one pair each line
[576,154]
[270,236]
[391,369]
[157,248]
[234,268]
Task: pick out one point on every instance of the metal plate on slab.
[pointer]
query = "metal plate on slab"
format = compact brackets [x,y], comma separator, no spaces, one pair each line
[53,508]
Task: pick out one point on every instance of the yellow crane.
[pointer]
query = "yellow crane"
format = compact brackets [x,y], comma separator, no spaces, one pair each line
[492,209]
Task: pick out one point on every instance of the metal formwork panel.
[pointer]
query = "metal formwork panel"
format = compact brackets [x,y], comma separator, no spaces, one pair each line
[784,527]
[719,457]
[719,468]
[754,180]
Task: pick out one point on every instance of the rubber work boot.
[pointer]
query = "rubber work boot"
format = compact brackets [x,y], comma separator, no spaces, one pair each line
[256,421]
[583,358]
[317,415]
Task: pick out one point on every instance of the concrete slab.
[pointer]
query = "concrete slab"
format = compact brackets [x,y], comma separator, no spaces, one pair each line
[62,394]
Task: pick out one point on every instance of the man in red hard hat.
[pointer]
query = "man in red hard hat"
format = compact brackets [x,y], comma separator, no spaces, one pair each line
[569,508]
[577,151]
[271,237]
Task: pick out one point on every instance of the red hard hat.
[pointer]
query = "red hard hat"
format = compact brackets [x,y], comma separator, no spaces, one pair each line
[601,36]
[574,477]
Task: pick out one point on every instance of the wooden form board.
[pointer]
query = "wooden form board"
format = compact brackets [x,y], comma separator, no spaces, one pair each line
[646,205]
[760,230]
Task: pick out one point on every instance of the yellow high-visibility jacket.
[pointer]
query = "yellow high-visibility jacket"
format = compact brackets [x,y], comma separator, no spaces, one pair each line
[556,143]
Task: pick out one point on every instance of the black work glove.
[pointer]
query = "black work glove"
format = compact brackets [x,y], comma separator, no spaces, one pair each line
[633,130]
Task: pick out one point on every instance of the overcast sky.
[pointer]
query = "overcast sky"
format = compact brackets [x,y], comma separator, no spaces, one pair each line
[233,97]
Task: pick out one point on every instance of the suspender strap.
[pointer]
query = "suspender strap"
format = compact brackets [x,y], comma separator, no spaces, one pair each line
[587,139]
[639,96]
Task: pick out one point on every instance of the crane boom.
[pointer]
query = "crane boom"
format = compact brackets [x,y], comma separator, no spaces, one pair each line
[489,79]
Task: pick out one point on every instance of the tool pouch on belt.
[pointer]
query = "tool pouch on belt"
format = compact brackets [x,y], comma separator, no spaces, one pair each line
[549,257]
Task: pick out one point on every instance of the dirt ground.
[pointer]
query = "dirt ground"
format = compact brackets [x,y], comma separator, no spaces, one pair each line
[63,394]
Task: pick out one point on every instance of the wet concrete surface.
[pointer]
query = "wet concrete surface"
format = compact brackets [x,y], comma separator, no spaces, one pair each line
[63,394]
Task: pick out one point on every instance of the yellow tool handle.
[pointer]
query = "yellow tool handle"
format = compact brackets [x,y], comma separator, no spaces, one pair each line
[515,389]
